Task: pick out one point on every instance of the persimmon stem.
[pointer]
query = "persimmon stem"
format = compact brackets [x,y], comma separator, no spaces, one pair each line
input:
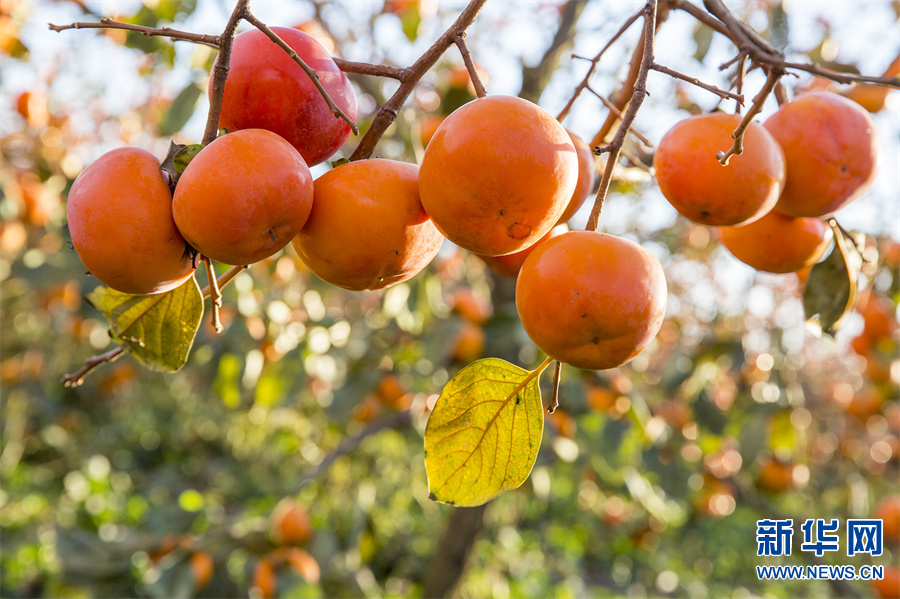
[223,280]
[311,73]
[637,98]
[76,378]
[364,68]
[554,398]
[214,294]
[737,147]
[460,42]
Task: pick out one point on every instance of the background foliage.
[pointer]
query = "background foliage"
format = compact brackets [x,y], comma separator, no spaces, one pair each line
[651,477]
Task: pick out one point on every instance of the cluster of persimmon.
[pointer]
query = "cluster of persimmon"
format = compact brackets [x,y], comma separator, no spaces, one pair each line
[495,179]
[812,157]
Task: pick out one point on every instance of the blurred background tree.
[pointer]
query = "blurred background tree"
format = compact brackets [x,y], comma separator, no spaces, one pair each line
[286,457]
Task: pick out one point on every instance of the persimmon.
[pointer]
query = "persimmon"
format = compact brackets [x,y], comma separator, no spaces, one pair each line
[469,343]
[367,228]
[775,476]
[831,150]
[888,511]
[703,190]
[473,307]
[264,578]
[591,300]
[266,89]
[510,264]
[243,197]
[872,97]
[777,243]
[304,564]
[586,175]
[202,568]
[888,587]
[120,219]
[290,524]
[392,393]
[497,175]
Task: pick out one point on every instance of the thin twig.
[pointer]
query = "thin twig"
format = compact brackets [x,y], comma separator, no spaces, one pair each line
[694,81]
[364,68]
[313,76]
[584,82]
[637,98]
[554,398]
[704,17]
[77,378]
[214,294]
[460,42]
[755,109]
[220,72]
[173,34]
[390,109]
[615,110]
[223,280]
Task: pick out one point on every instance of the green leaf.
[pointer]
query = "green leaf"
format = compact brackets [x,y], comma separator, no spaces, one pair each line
[702,37]
[184,156]
[158,329]
[832,285]
[181,110]
[483,436]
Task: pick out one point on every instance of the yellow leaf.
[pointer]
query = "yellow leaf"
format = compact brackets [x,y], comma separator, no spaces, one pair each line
[484,433]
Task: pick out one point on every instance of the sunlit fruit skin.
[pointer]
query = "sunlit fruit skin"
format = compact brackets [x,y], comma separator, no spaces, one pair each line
[243,197]
[777,243]
[591,300]
[510,264]
[586,175]
[120,218]
[367,228]
[266,89]
[497,175]
[831,149]
[701,189]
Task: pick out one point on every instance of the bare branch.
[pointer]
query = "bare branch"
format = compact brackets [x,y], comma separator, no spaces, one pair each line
[313,76]
[758,101]
[470,66]
[637,98]
[220,72]
[77,378]
[364,68]
[390,109]
[694,81]
[615,110]
[587,77]
[173,34]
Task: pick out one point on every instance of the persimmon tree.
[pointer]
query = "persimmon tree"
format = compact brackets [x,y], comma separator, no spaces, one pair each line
[654,444]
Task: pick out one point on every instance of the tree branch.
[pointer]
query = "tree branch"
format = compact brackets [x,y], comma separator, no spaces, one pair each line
[311,73]
[694,81]
[220,72]
[77,378]
[587,77]
[637,98]
[390,109]
[612,108]
[470,66]
[364,68]
[173,34]
[738,147]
